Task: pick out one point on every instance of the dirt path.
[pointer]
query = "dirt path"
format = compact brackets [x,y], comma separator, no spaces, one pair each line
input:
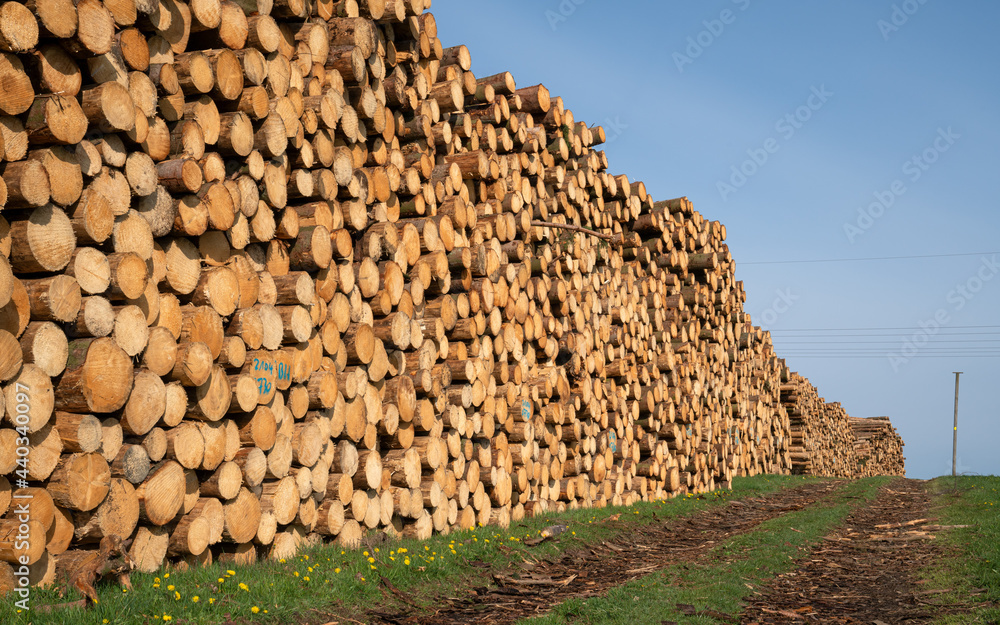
[862,572]
[590,570]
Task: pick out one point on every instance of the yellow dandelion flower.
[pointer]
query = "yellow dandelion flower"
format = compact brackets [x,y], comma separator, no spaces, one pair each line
[407,561]
[177,596]
[211,600]
[222,580]
[170,587]
[296,573]
[336,570]
[244,587]
[195,599]
[366,554]
[255,609]
[230,572]
[166,575]
[306,578]
[371,560]
[167,617]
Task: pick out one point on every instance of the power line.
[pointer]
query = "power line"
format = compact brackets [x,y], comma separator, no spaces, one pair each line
[784,338]
[950,327]
[861,350]
[853,260]
[933,340]
[880,356]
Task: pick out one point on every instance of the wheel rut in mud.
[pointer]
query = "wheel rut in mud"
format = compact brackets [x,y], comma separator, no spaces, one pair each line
[864,571]
[584,571]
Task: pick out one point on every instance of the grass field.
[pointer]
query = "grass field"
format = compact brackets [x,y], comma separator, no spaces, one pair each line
[969,574]
[328,578]
[331,577]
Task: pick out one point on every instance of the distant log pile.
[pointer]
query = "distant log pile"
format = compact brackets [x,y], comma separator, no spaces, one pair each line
[878,448]
[280,272]
[825,441]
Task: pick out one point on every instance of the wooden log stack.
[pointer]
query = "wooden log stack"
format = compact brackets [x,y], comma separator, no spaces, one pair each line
[825,441]
[878,447]
[283,272]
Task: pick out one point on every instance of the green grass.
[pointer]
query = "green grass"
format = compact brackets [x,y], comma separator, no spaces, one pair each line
[720,581]
[968,575]
[327,578]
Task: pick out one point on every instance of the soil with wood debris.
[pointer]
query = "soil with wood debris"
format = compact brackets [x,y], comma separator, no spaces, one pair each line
[864,572]
[590,570]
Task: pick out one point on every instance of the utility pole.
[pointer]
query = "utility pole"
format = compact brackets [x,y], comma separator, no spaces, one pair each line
[954,440]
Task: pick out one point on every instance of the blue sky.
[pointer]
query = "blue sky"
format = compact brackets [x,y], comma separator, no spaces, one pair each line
[892,149]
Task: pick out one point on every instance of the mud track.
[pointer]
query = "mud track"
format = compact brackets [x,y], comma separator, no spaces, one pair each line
[587,570]
[864,572]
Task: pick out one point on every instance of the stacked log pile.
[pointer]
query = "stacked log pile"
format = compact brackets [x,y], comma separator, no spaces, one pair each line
[821,443]
[278,272]
[762,420]
[878,447]
[825,441]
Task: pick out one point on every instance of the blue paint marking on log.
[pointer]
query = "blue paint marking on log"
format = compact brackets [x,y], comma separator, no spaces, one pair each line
[284,371]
